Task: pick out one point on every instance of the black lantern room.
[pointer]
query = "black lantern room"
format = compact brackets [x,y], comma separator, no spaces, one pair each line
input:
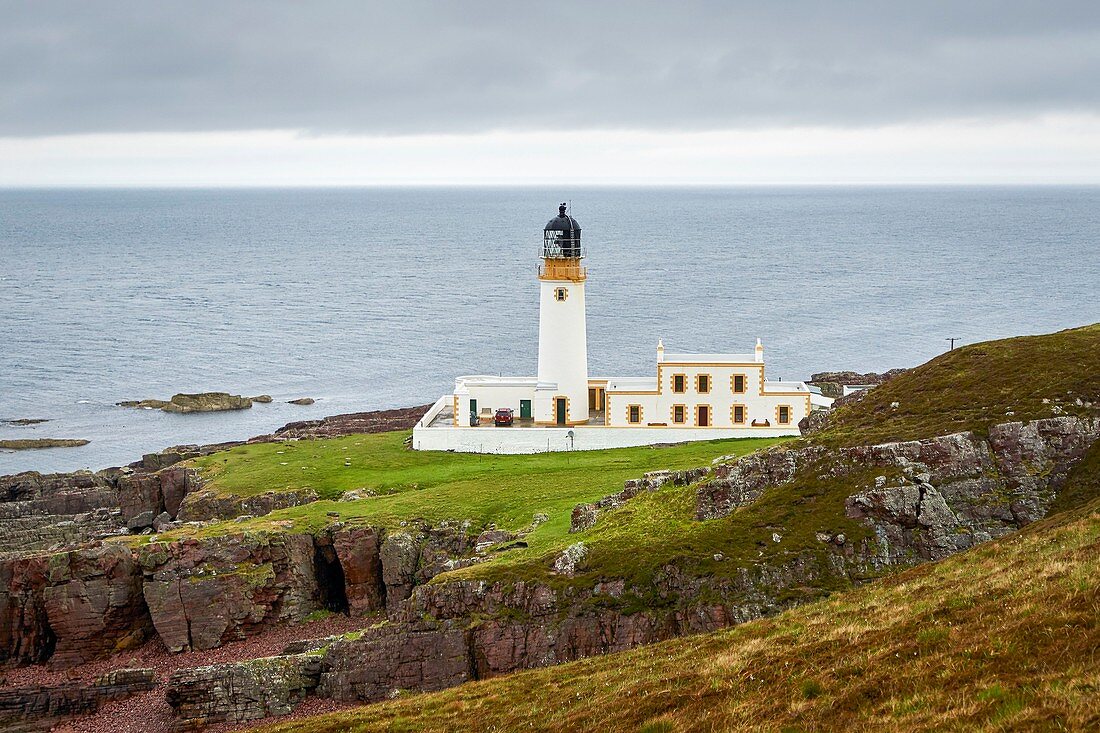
[561,239]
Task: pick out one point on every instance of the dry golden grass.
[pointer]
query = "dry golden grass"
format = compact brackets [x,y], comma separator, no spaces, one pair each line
[1004,637]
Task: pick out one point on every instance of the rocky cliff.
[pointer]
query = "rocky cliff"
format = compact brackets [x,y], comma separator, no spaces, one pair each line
[919,501]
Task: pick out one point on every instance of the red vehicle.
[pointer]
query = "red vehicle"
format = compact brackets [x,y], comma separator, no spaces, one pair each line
[504,417]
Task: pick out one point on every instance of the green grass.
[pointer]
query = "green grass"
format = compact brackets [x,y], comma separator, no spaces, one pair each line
[381,463]
[633,543]
[1024,620]
[976,386]
[434,486]
[656,529]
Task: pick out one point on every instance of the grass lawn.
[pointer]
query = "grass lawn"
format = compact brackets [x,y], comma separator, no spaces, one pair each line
[506,490]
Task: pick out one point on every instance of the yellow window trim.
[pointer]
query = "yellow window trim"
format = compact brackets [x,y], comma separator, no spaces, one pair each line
[641,415]
[710,383]
[710,416]
[744,413]
[672,382]
[790,415]
[672,415]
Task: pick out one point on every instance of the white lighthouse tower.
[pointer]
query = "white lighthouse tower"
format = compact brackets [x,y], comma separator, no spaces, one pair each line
[561,393]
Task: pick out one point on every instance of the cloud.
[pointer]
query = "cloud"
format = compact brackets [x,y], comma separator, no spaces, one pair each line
[409,68]
[1058,149]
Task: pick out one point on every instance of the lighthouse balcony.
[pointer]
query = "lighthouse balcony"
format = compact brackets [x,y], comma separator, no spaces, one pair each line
[562,269]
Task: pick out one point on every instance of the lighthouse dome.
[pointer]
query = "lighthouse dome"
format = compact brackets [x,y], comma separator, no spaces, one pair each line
[563,222]
[562,237]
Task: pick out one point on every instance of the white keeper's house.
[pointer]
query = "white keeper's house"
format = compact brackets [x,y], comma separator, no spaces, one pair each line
[691,396]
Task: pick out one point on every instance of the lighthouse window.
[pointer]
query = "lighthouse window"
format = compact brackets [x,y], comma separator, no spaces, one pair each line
[634,414]
[679,383]
[561,294]
[739,383]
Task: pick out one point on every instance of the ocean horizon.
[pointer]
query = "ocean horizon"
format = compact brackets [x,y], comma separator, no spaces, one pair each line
[375,297]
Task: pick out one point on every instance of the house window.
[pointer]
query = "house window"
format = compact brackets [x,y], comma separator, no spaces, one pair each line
[702,416]
[738,414]
[702,383]
[561,294]
[784,415]
[739,384]
[679,383]
[679,414]
[634,414]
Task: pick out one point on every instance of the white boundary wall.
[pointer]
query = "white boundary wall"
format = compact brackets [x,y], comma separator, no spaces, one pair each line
[434,410]
[538,440]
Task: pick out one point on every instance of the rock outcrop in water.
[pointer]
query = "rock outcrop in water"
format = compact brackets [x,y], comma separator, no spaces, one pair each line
[197,402]
[39,443]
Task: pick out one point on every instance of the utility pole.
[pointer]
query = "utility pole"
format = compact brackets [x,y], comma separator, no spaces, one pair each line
[953,340]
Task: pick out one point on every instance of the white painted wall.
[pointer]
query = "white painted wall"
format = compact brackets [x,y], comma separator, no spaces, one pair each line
[563,350]
[760,398]
[536,440]
[495,396]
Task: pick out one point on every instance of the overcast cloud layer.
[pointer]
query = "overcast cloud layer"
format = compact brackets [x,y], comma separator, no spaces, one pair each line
[463,67]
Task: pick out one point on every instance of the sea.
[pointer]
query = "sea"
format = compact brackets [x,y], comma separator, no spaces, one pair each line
[370,298]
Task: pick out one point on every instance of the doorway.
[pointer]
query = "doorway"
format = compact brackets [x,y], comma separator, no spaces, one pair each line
[559,410]
[525,409]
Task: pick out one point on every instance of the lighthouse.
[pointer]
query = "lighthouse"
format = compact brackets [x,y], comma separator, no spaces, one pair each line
[561,391]
[688,396]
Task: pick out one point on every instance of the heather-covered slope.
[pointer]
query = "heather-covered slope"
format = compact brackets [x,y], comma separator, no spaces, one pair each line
[1002,637]
[976,386]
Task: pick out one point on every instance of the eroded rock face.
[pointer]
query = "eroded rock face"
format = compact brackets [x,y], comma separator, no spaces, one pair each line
[60,511]
[421,656]
[743,481]
[25,633]
[202,506]
[936,496]
[400,556]
[358,550]
[39,708]
[58,493]
[71,607]
[382,660]
[815,422]
[94,604]
[959,490]
[162,491]
[235,693]
[203,593]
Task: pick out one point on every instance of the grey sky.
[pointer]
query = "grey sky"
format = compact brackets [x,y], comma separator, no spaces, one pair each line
[469,67]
